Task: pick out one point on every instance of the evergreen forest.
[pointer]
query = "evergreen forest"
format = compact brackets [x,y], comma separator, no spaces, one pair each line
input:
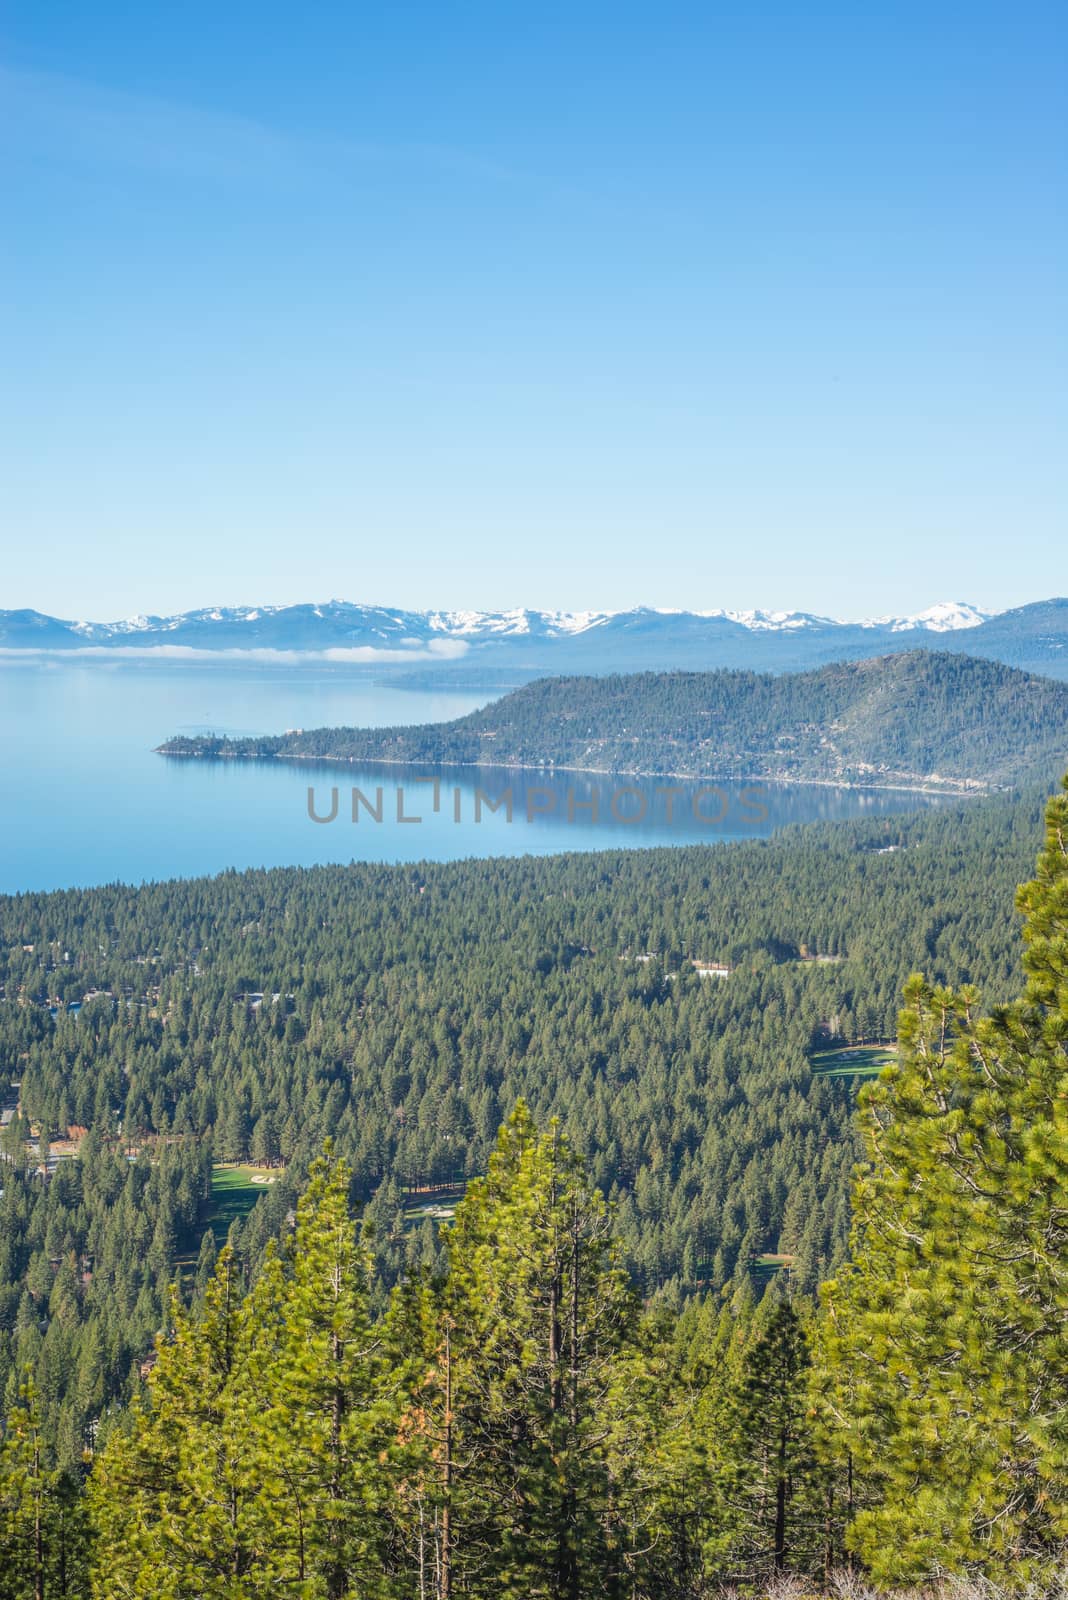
[578,1270]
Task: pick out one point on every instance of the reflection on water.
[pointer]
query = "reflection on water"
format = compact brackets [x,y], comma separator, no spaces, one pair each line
[568,810]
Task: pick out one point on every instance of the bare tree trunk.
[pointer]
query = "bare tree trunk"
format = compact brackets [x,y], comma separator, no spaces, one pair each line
[570,1587]
[561,1586]
[63,1556]
[337,1577]
[445,1555]
[780,1507]
[849,1504]
[38,1529]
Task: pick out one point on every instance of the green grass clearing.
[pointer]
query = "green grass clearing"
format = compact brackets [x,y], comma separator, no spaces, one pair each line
[763,1268]
[438,1211]
[437,1205]
[235,1188]
[853,1060]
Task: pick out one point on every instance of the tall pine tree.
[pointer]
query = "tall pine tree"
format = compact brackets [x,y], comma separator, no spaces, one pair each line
[526,1335]
[947,1336]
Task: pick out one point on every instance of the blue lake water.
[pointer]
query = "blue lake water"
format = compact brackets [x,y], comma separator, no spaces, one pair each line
[85,800]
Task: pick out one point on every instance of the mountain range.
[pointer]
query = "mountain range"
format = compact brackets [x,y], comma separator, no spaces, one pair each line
[922,718]
[523,643]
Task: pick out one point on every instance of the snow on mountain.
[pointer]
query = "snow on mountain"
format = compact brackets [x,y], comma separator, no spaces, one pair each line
[487,623]
[774,621]
[948,616]
[346,619]
[138,624]
[525,640]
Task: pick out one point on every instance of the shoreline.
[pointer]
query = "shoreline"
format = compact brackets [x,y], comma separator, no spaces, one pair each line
[962,789]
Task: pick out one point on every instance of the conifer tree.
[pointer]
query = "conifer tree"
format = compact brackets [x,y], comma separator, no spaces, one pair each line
[24,1496]
[44,1539]
[260,1462]
[528,1332]
[947,1336]
[662,1499]
[316,1401]
[771,1482]
[171,1501]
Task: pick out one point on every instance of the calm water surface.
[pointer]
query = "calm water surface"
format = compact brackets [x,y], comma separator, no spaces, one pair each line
[84,799]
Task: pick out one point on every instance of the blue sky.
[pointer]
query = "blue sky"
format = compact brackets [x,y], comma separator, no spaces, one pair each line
[563,305]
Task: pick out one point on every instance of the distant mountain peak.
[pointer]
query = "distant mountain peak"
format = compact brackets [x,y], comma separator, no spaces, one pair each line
[518,621]
[761,621]
[948,616]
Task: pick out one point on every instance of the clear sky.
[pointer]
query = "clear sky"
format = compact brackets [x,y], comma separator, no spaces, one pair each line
[557,304]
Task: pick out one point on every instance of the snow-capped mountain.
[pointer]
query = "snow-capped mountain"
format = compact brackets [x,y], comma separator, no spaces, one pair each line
[385,622]
[514,624]
[524,641]
[949,616]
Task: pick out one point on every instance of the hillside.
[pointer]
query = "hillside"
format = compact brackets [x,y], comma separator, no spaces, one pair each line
[923,717]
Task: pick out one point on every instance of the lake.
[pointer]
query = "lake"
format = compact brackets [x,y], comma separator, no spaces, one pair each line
[85,800]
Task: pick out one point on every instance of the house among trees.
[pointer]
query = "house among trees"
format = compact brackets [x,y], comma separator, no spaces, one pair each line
[711,969]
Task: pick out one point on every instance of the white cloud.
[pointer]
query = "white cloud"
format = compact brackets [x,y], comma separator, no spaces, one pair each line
[435,650]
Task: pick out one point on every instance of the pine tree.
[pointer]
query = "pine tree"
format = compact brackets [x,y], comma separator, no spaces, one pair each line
[316,1399]
[259,1463]
[527,1333]
[662,1499]
[172,1502]
[770,1480]
[947,1337]
[24,1500]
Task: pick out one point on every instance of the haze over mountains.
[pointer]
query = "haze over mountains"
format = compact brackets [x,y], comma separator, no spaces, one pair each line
[528,642]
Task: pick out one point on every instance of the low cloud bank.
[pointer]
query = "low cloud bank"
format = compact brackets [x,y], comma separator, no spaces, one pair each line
[433,650]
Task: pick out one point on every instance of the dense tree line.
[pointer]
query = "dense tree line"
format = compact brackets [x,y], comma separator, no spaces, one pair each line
[515,1422]
[902,718]
[86,1261]
[403,1013]
[946,1335]
[512,1425]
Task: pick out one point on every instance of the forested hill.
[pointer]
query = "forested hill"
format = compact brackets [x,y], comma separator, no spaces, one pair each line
[919,718]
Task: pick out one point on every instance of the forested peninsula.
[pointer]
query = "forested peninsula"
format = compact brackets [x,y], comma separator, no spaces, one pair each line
[921,719]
